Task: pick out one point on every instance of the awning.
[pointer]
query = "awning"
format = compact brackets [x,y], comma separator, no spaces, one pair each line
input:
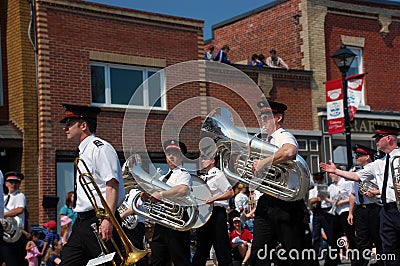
[10,135]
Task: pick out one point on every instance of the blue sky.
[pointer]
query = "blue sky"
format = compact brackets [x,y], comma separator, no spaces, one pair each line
[212,12]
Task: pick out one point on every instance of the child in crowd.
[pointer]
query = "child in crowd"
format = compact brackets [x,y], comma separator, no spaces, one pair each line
[50,236]
[53,254]
[65,228]
[32,251]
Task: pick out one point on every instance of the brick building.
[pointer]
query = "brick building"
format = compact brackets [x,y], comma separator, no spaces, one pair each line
[306,33]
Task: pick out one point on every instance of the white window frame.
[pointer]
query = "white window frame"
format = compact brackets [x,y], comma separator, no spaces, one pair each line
[359,53]
[145,71]
[303,141]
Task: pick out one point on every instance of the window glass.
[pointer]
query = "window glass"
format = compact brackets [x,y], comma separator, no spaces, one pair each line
[97,83]
[113,85]
[1,76]
[124,84]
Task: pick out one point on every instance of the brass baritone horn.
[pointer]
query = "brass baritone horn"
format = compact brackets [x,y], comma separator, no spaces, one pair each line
[238,150]
[132,254]
[12,227]
[181,213]
[395,178]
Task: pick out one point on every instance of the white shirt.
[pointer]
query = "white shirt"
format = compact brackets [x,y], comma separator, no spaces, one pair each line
[313,193]
[218,184]
[344,188]
[376,169]
[179,176]
[281,137]
[17,200]
[103,163]
[1,192]
[241,202]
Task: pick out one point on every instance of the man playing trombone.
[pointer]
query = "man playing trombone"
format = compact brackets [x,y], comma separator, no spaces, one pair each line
[386,141]
[80,124]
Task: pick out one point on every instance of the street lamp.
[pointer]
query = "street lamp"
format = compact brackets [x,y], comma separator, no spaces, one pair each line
[343,59]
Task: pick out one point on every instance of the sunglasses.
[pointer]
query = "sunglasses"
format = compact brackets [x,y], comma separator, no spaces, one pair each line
[378,137]
[358,155]
[70,123]
[13,181]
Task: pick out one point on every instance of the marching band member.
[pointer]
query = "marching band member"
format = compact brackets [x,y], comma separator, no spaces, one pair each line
[339,192]
[214,232]
[277,220]
[168,244]
[386,141]
[320,207]
[364,210]
[80,124]
[15,203]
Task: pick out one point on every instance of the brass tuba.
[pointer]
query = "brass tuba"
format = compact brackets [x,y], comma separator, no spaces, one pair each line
[182,213]
[132,254]
[238,150]
[395,178]
[12,227]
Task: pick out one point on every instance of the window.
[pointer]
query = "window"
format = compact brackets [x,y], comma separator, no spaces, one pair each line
[114,85]
[357,67]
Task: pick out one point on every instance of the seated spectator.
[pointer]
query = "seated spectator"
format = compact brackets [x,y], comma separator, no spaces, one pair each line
[53,254]
[32,251]
[241,241]
[209,55]
[261,60]
[275,61]
[51,235]
[222,55]
[254,60]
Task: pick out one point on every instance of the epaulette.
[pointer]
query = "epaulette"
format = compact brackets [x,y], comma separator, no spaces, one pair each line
[98,143]
[183,169]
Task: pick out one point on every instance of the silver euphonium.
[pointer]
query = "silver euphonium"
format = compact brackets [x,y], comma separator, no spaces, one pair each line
[366,185]
[238,150]
[180,213]
[395,178]
[12,227]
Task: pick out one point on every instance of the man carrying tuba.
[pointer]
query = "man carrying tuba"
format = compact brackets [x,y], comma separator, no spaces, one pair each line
[277,220]
[386,141]
[168,244]
[80,124]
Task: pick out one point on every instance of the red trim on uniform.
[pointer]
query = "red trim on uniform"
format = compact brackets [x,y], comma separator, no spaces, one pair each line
[172,146]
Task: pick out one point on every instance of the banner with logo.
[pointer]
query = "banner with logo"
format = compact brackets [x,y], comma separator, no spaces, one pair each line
[354,93]
[334,108]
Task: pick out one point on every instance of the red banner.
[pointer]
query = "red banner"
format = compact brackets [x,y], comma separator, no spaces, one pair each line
[334,102]
[354,93]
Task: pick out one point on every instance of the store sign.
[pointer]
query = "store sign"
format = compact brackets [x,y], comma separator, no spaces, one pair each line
[367,125]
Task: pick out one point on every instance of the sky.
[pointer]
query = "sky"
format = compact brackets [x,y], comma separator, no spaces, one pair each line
[212,12]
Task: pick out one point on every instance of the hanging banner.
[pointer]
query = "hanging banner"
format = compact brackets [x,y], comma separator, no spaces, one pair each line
[354,93]
[334,108]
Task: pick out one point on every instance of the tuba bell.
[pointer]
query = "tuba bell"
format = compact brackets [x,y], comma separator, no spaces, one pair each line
[12,227]
[238,150]
[182,213]
[91,189]
[396,178]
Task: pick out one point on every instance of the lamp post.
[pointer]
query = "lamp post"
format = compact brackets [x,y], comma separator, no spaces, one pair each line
[343,59]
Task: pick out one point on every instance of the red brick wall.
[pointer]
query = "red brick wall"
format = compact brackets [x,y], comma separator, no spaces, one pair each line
[275,28]
[379,57]
[70,37]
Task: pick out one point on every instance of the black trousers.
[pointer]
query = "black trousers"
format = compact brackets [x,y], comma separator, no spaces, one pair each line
[13,253]
[83,245]
[214,232]
[167,245]
[321,220]
[136,236]
[278,221]
[390,234]
[366,223]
